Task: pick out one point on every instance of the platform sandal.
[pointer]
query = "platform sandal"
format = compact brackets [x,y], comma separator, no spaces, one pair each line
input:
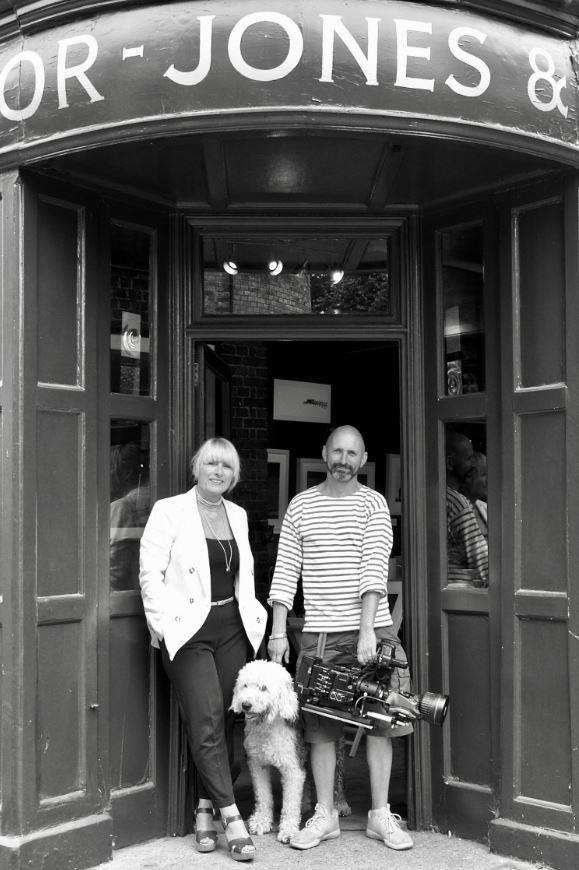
[205,841]
[241,848]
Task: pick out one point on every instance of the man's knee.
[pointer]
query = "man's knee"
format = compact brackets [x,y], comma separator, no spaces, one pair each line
[381,743]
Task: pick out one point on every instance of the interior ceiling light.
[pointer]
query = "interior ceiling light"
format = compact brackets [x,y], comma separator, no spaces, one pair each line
[275,267]
[336,276]
[230,266]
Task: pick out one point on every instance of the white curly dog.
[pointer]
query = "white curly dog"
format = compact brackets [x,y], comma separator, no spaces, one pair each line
[264,692]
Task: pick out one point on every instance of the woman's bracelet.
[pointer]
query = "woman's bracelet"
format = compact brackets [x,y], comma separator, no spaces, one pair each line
[277,636]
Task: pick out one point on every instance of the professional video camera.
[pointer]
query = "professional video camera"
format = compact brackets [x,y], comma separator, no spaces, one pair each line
[360,695]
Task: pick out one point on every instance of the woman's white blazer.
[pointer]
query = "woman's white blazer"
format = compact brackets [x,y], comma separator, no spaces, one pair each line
[175,576]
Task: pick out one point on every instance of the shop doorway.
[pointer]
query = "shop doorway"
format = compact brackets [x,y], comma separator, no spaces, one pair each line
[277,401]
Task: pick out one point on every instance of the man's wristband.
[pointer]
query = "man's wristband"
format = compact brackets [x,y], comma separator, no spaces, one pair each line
[278,636]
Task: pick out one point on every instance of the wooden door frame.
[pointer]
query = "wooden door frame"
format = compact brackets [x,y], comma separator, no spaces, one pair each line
[405,329]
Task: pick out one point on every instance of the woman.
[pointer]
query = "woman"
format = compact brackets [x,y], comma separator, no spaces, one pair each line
[199,597]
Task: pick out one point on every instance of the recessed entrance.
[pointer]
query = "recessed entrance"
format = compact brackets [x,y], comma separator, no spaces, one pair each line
[277,401]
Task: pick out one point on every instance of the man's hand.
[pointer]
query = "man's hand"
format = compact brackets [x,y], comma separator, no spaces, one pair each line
[278,650]
[366,645]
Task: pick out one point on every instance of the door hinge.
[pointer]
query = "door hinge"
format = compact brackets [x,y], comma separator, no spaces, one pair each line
[195,375]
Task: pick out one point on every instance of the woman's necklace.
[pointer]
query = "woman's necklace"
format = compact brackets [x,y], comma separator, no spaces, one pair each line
[208,502]
[229,560]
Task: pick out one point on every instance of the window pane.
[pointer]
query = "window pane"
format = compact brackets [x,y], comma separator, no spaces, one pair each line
[462,291]
[297,276]
[130,310]
[466,505]
[130,500]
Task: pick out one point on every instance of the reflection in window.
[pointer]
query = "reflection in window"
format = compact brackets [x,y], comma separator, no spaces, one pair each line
[130,500]
[462,292]
[466,505]
[130,310]
[297,276]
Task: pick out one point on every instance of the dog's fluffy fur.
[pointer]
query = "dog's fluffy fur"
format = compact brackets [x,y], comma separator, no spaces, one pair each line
[264,692]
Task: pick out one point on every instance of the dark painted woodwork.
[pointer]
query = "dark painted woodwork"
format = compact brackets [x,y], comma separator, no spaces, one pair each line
[541,543]
[58,303]
[542,261]
[419,173]
[59,442]
[538,772]
[86,751]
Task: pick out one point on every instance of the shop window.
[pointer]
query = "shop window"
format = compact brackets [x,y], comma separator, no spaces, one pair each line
[130,280]
[130,500]
[462,278]
[467,560]
[253,276]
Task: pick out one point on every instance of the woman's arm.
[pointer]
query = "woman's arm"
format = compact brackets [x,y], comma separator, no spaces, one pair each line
[155,554]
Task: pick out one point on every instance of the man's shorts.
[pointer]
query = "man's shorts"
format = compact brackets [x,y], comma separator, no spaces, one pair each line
[340,649]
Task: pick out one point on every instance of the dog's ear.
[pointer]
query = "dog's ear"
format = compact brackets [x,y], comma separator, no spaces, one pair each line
[288,700]
[235,702]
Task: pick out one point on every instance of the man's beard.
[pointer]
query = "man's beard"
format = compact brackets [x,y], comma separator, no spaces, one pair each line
[341,472]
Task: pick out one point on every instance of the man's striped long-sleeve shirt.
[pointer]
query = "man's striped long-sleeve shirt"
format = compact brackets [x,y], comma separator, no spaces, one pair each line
[341,548]
[467,549]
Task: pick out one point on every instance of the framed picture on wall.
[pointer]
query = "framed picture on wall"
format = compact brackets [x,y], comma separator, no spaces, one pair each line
[311,472]
[393,487]
[277,486]
[301,401]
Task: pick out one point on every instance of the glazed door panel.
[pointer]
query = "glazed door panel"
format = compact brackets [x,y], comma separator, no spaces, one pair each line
[135,472]
[461,376]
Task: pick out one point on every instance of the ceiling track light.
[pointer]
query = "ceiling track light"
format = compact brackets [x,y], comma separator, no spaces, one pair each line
[275,267]
[230,266]
[336,276]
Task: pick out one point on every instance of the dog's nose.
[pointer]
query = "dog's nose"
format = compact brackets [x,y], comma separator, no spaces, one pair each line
[246,705]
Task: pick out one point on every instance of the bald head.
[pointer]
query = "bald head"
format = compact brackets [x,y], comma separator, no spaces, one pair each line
[459,457]
[348,431]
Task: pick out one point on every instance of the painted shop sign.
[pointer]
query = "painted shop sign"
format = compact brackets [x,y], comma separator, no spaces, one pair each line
[397,60]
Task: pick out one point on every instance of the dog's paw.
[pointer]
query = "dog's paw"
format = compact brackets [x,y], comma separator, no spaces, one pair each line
[259,824]
[286,832]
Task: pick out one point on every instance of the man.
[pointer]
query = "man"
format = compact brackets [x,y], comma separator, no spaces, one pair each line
[338,536]
[467,549]
[475,489]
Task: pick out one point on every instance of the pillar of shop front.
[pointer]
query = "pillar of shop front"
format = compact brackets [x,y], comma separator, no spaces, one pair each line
[53,752]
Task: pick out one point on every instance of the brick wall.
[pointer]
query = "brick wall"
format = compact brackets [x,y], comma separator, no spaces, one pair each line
[256,293]
[250,391]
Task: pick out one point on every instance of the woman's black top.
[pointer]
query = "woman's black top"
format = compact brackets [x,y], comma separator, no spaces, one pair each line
[222,580]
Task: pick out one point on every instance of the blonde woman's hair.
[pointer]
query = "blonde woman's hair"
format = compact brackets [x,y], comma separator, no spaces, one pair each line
[217,450]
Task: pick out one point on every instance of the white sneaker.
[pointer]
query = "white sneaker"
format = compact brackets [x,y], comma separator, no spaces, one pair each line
[323,825]
[384,825]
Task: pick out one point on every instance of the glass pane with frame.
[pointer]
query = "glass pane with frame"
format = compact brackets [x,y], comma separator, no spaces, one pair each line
[131,310]
[466,505]
[130,499]
[462,277]
[309,275]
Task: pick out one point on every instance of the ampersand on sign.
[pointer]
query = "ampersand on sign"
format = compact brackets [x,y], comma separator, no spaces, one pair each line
[546,75]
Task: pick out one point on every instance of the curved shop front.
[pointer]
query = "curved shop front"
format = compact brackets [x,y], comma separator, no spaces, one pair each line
[427,154]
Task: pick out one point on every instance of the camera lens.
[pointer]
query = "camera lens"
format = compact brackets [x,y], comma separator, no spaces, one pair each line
[433,707]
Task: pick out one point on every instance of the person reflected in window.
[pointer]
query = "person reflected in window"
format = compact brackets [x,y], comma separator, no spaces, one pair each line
[199,598]
[475,489]
[129,510]
[467,549]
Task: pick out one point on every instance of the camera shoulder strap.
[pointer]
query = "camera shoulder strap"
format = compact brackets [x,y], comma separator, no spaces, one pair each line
[322,637]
